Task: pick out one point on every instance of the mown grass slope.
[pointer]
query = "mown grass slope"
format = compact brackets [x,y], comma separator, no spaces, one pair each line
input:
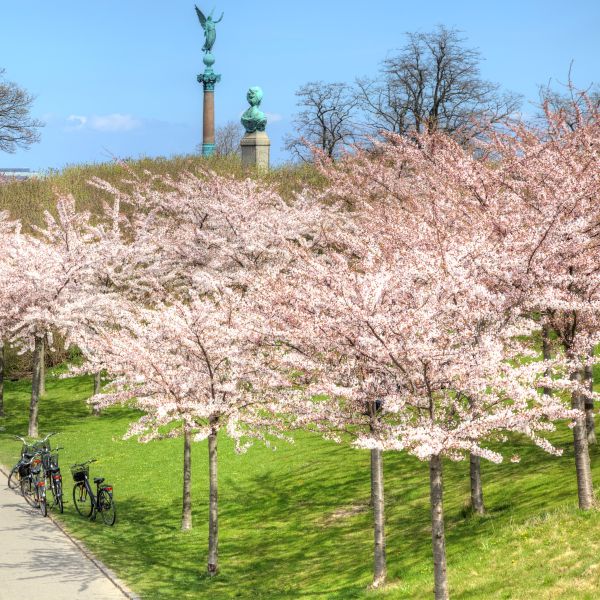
[295,522]
[26,200]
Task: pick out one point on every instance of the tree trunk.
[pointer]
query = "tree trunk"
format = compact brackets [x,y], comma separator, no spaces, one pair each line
[213,517]
[476,487]
[186,515]
[590,425]
[437,528]
[43,368]
[1,379]
[97,385]
[546,352]
[38,355]
[582,456]
[377,500]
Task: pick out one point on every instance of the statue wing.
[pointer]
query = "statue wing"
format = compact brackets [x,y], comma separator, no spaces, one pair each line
[200,16]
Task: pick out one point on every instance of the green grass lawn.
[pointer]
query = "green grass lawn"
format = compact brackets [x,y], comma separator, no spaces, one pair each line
[295,522]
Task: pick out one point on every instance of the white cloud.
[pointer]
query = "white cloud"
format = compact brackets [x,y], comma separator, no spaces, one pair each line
[273,117]
[112,123]
[77,120]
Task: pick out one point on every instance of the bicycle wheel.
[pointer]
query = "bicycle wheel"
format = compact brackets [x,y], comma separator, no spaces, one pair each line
[58,496]
[106,505]
[40,496]
[14,479]
[82,500]
[27,490]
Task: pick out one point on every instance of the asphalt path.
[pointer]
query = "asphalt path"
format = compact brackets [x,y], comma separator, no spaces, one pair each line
[37,560]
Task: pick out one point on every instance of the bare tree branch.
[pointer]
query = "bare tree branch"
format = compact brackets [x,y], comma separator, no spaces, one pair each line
[17,128]
[327,119]
[433,83]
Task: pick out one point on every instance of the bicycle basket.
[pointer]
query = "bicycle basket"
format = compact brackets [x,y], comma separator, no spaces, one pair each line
[80,472]
[23,471]
[54,462]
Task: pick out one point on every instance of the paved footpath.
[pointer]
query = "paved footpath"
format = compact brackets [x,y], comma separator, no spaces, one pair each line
[38,560]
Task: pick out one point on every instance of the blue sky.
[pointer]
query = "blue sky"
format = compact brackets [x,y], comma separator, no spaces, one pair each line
[118,77]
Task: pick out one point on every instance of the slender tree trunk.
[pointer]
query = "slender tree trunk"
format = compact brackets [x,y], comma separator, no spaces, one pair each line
[1,379]
[213,517]
[186,515]
[437,528]
[43,368]
[546,352]
[97,385]
[590,425]
[585,490]
[38,354]
[378,502]
[476,486]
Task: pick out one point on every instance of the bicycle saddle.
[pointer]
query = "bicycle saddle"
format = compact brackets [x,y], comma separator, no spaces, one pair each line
[98,479]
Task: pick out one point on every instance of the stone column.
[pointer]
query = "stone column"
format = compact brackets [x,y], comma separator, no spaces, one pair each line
[208,79]
[256,148]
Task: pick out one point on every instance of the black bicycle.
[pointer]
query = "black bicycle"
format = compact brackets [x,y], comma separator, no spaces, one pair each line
[33,485]
[21,469]
[53,476]
[86,502]
[28,449]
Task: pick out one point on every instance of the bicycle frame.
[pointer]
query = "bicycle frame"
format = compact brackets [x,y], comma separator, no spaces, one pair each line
[87,503]
[94,497]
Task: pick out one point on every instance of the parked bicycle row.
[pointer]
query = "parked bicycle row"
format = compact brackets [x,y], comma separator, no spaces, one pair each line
[37,475]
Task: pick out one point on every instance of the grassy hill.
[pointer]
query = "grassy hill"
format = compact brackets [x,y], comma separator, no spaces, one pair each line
[295,522]
[27,200]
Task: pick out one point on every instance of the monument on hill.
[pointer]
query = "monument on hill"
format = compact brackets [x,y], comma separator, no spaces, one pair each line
[255,143]
[208,79]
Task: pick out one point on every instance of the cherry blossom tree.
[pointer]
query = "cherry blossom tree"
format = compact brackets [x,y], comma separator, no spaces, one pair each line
[534,189]
[401,297]
[548,228]
[50,287]
[193,363]
[7,232]
[215,238]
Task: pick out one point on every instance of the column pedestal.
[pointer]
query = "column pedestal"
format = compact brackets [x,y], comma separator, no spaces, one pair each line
[256,149]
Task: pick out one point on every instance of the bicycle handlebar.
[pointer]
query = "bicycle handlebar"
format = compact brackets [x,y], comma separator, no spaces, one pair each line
[18,437]
[87,462]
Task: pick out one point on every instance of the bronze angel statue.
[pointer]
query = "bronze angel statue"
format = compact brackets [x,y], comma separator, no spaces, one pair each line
[210,33]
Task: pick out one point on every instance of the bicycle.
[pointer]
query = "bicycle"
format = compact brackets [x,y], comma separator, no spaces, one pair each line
[28,450]
[33,485]
[86,503]
[53,477]
[20,469]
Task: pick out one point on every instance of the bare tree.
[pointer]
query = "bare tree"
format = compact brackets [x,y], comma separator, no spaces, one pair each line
[17,128]
[383,109]
[434,82]
[227,138]
[326,119]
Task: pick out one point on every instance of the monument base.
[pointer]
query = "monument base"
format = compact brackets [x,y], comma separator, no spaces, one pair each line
[256,148]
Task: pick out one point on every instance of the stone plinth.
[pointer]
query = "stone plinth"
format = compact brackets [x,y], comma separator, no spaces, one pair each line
[256,149]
